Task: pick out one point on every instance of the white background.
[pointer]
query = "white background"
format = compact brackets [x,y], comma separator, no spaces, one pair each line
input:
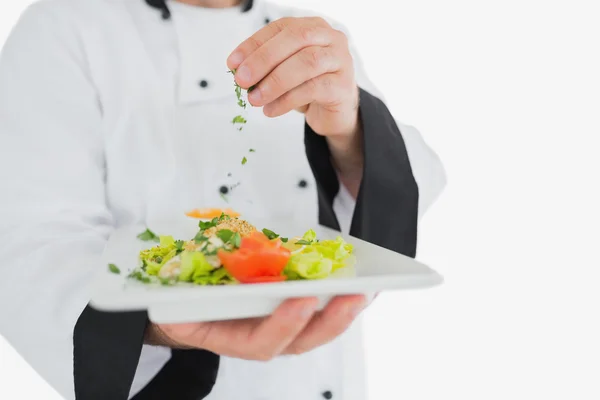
[508,93]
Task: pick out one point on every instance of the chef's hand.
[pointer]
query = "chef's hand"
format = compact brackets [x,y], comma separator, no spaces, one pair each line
[304,64]
[294,328]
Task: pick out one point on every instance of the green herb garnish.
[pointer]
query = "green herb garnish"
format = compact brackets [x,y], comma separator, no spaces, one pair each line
[224,217]
[236,240]
[148,236]
[204,225]
[139,276]
[200,238]
[114,269]
[304,242]
[252,151]
[179,245]
[238,119]
[244,161]
[270,234]
[225,235]
[284,240]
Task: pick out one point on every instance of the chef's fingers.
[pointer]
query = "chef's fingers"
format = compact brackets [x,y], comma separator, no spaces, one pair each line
[334,320]
[262,36]
[277,331]
[281,47]
[303,66]
[325,89]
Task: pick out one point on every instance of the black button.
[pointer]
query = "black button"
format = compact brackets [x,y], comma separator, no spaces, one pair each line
[224,189]
[328,395]
[302,183]
[267,21]
[203,83]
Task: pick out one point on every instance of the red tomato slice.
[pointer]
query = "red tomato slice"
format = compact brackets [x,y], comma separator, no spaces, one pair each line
[258,240]
[252,263]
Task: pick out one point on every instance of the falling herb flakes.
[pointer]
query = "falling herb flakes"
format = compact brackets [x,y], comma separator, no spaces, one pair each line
[148,236]
[114,269]
[238,119]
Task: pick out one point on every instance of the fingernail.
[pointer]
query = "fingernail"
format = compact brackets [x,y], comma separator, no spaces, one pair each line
[236,58]
[243,73]
[254,96]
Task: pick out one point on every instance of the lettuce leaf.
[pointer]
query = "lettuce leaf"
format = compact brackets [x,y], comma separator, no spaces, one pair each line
[318,260]
[219,276]
[153,259]
[309,265]
[193,264]
[310,235]
[167,241]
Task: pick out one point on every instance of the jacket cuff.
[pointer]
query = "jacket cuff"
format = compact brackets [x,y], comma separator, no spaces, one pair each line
[106,351]
[386,211]
[107,348]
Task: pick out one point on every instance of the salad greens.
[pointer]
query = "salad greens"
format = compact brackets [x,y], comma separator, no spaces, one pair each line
[318,259]
[198,262]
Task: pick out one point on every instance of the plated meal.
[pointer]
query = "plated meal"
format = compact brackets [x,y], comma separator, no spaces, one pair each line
[228,250]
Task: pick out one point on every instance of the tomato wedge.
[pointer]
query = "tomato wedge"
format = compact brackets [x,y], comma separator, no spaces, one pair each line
[258,240]
[210,213]
[257,260]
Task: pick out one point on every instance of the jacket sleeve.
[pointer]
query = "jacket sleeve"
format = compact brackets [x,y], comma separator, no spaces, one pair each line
[56,222]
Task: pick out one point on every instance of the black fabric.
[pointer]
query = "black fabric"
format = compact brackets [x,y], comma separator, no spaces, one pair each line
[166,14]
[387,204]
[107,348]
[188,375]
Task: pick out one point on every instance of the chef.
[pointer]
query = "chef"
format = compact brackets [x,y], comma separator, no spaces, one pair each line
[119,112]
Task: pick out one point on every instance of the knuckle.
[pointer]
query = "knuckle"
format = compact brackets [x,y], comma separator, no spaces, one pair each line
[254,42]
[315,58]
[320,21]
[283,22]
[313,86]
[263,56]
[275,82]
[305,33]
[342,37]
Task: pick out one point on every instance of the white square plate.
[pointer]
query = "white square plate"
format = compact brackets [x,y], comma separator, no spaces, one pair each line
[377,269]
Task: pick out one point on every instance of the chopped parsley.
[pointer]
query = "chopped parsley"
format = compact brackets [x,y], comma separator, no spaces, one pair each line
[179,245]
[238,119]
[139,276]
[272,235]
[236,240]
[304,242]
[244,161]
[148,236]
[228,236]
[200,237]
[225,235]
[114,269]
[252,151]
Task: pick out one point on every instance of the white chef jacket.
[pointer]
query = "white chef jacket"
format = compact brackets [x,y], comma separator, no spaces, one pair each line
[111,116]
